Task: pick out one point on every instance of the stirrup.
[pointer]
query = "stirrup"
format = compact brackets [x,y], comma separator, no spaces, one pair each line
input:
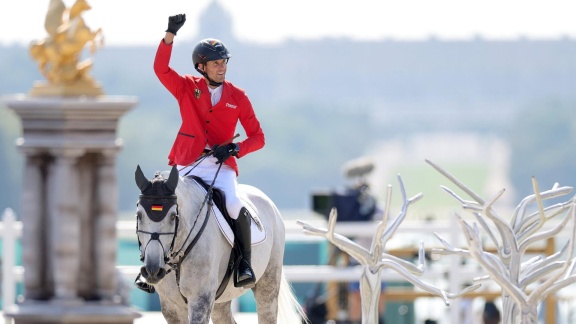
[143,285]
[248,282]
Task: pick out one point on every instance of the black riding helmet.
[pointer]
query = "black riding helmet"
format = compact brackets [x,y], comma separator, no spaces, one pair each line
[209,49]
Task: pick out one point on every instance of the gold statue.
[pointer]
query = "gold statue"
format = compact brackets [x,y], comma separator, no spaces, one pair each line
[58,55]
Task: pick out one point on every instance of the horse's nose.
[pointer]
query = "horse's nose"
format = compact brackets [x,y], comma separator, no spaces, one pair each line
[161,273]
[144,272]
[152,275]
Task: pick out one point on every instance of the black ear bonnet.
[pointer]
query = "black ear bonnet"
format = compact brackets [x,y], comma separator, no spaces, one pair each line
[158,195]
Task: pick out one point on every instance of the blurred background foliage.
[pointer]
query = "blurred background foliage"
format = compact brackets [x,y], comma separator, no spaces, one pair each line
[321,104]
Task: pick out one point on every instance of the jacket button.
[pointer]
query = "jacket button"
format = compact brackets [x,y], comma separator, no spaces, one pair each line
[210,110]
[207,122]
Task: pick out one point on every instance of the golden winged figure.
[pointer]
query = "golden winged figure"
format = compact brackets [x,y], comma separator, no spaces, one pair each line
[58,54]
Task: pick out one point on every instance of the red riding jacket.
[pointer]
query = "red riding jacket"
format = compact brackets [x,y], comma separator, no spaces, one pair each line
[204,125]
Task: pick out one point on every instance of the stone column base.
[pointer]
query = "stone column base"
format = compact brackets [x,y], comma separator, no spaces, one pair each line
[81,313]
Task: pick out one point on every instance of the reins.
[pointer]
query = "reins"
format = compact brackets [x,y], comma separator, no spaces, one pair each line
[176,264]
[208,198]
[204,156]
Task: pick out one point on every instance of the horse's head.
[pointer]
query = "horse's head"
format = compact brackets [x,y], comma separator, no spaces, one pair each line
[156,222]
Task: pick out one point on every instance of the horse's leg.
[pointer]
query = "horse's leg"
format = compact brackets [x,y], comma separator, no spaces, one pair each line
[173,305]
[222,313]
[266,294]
[200,308]
[174,310]
[172,314]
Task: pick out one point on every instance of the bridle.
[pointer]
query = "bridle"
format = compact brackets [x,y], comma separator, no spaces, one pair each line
[155,236]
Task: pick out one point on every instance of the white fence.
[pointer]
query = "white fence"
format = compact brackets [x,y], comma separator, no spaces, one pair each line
[450,274]
[453,275]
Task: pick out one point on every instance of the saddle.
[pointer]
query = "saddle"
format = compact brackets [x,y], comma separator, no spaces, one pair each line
[218,197]
[225,221]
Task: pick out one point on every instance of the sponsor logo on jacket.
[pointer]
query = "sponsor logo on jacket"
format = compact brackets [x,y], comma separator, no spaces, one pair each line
[231,106]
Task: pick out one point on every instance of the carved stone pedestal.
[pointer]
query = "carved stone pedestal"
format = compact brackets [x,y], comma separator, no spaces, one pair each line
[69,209]
[87,88]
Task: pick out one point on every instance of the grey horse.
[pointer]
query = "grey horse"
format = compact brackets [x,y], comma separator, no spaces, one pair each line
[186,255]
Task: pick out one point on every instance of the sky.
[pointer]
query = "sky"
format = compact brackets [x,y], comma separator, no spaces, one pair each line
[142,22]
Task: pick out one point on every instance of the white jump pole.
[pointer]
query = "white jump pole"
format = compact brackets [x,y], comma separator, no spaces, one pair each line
[9,255]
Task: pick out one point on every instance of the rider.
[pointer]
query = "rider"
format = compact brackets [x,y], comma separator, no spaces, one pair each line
[211,107]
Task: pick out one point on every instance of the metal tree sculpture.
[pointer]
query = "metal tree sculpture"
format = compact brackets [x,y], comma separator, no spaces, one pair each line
[512,240]
[376,259]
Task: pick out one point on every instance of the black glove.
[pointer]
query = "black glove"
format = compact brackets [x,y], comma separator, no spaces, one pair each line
[175,22]
[223,152]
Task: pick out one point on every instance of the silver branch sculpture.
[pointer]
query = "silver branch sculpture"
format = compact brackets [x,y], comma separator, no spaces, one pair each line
[377,258]
[526,283]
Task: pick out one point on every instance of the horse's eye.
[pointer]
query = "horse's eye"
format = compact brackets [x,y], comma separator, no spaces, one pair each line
[173,217]
[138,215]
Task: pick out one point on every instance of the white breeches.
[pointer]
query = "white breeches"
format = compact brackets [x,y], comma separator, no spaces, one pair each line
[226,181]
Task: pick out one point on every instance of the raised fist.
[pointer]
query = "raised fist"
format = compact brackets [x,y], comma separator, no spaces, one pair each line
[175,22]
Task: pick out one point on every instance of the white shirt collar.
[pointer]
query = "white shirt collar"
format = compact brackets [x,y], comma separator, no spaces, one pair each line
[215,94]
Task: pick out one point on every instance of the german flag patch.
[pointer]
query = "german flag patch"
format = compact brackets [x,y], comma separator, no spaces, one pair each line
[157,208]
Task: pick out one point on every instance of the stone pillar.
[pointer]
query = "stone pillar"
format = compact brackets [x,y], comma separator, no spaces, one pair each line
[65,223]
[69,209]
[105,226]
[34,216]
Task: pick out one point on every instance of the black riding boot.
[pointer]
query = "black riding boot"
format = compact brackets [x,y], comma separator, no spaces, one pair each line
[244,275]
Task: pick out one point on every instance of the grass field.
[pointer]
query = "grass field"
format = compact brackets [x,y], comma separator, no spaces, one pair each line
[435,203]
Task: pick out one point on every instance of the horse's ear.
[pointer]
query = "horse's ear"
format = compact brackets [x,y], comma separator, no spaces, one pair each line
[172,181]
[141,180]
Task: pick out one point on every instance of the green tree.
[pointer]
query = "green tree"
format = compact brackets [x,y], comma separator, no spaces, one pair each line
[10,161]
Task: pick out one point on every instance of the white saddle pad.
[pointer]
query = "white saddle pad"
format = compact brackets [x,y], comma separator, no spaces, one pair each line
[257,228]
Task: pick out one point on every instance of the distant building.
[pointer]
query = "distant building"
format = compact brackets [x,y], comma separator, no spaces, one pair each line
[216,22]
[361,93]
